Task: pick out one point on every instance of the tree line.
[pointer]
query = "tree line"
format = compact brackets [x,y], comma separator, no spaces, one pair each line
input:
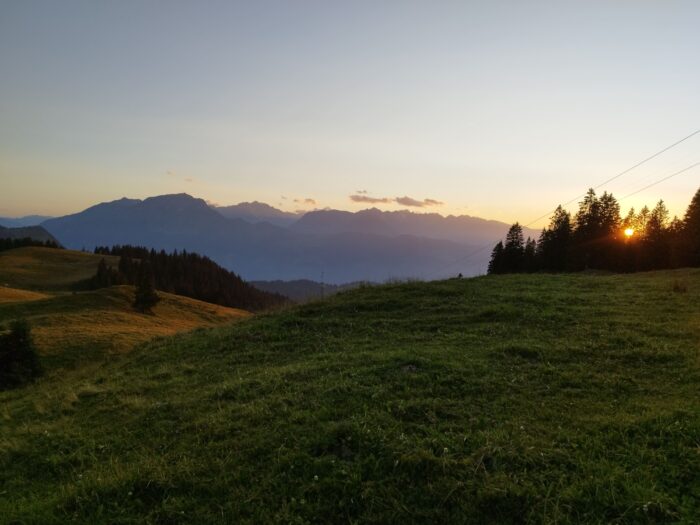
[11,244]
[598,237]
[182,273]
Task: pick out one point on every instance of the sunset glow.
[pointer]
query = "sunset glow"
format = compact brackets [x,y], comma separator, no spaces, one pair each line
[629,232]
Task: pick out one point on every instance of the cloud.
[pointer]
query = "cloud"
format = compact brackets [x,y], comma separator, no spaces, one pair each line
[404,201]
[361,192]
[308,201]
[408,201]
[368,199]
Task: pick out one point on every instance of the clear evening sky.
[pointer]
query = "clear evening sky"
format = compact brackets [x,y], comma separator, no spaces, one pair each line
[496,109]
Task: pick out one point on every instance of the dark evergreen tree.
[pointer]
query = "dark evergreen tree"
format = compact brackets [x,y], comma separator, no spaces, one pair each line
[19,361]
[514,250]
[656,247]
[690,237]
[496,263]
[146,296]
[555,242]
[530,260]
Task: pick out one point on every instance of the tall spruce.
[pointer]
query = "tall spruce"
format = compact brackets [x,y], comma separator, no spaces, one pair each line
[146,296]
[555,242]
[530,262]
[691,232]
[496,262]
[514,250]
[656,242]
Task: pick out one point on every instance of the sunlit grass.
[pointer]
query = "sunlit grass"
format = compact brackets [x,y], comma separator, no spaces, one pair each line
[15,295]
[47,269]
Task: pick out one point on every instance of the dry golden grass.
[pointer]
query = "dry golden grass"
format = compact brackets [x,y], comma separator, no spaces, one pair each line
[104,320]
[46,269]
[15,295]
[96,322]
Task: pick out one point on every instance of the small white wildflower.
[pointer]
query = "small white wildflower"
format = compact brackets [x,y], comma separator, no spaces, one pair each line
[315,478]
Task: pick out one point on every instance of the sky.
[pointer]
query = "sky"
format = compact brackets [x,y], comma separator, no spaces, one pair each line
[494,109]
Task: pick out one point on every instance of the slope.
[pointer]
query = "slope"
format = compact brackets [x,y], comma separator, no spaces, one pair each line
[73,327]
[502,399]
[48,269]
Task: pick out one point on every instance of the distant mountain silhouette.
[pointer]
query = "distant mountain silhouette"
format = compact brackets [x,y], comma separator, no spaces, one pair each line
[19,222]
[460,229]
[37,233]
[255,211]
[263,251]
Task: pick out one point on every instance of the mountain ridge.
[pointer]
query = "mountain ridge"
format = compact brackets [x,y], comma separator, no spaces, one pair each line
[265,251]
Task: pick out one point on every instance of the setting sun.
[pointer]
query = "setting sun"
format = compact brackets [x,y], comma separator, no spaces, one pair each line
[629,232]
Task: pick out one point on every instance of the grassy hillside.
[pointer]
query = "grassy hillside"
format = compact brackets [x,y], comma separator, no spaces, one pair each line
[47,269]
[69,326]
[15,295]
[539,399]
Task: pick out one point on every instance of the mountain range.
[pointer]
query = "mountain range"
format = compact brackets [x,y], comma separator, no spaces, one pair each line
[262,243]
[20,222]
[36,233]
[255,211]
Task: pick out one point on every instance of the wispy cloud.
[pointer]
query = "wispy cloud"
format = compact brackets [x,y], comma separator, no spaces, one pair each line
[308,201]
[404,201]
[368,199]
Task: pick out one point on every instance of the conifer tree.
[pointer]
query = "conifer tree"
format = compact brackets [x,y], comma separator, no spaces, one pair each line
[555,242]
[655,244]
[530,263]
[691,232]
[146,297]
[496,262]
[514,250]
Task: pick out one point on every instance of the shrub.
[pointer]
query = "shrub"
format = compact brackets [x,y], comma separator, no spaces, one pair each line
[19,362]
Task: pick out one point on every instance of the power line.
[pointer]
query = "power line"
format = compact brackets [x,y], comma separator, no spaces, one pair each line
[661,180]
[660,152]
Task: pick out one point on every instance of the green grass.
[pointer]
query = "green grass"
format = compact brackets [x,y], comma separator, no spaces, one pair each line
[511,399]
[72,328]
[48,269]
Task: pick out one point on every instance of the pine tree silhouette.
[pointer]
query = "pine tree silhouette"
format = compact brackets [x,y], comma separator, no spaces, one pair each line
[146,296]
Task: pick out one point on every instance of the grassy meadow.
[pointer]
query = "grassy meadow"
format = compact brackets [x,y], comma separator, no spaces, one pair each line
[501,399]
[72,328]
[47,269]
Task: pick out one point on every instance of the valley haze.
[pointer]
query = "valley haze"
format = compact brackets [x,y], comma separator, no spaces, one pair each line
[262,243]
